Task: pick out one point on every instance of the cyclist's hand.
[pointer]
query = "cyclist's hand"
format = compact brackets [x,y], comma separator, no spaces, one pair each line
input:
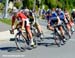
[23,28]
[11,31]
[13,27]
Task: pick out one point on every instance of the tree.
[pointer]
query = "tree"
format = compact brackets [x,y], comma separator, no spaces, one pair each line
[50,3]
[3,1]
[18,4]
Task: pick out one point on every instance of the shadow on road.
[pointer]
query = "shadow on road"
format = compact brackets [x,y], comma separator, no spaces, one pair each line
[46,44]
[9,49]
[12,39]
[39,42]
[48,38]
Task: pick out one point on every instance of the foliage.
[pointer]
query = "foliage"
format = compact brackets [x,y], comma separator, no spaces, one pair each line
[3,1]
[59,5]
[6,21]
[1,7]
[69,4]
[18,4]
[46,7]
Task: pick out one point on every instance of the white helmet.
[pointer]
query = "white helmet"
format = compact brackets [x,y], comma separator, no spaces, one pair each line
[26,10]
[73,10]
[14,10]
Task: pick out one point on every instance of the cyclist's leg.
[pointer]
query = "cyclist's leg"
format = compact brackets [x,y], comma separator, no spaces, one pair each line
[67,24]
[69,28]
[71,23]
[66,21]
[61,30]
[38,27]
[29,32]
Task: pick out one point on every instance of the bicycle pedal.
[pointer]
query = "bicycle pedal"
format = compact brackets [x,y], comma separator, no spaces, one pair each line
[11,32]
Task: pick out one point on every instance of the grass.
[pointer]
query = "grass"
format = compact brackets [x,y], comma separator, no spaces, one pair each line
[6,21]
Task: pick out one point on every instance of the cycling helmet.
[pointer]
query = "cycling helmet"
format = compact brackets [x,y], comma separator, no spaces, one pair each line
[48,11]
[14,10]
[73,10]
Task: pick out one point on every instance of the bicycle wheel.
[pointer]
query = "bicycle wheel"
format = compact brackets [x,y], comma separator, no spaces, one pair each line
[67,34]
[42,36]
[57,40]
[20,42]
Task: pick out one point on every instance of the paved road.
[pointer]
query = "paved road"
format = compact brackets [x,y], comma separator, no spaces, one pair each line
[4,27]
[51,51]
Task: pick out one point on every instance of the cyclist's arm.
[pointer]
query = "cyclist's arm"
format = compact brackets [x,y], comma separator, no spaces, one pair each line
[65,19]
[13,22]
[23,23]
[49,26]
[58,19]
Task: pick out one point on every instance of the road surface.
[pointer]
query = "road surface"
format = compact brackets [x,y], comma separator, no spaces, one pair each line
[42,51]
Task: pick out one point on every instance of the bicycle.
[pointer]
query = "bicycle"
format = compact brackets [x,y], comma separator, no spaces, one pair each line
[36,34]
[67,33]
[22,39]
[59,39]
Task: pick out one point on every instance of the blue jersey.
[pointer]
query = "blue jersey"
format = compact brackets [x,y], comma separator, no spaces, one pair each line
[48,12]
[47,17]
[54,15]
[43,11]
[61,15]
[53,18]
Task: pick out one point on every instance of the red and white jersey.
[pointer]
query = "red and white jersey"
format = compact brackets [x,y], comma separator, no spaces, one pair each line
[20,17]
[66,14]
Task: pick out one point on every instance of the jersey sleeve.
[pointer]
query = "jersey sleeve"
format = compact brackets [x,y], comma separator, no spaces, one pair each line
[22,16]
[13,20]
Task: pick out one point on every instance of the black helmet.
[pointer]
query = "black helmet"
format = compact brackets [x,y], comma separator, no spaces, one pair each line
[49,11]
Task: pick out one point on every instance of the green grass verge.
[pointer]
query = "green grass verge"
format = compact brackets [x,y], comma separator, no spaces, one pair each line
[6,21]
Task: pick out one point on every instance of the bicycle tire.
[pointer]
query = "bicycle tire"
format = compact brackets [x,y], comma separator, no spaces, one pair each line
[67,35]
[57,39]
[20,42]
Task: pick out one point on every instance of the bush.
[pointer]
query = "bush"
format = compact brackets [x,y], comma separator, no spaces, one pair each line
[46,7]
[59,4]
[1,7]
[6,21]
[36,7]
[9,10]
[18,4]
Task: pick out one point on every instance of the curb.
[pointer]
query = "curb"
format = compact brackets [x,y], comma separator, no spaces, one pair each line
[5,35]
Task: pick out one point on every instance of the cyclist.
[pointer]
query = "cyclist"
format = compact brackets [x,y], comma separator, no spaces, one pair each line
[62,17]
[47,14]
[33,22]
[73,14]
[69,19]
[54,14]
[55,20]
[23,21]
